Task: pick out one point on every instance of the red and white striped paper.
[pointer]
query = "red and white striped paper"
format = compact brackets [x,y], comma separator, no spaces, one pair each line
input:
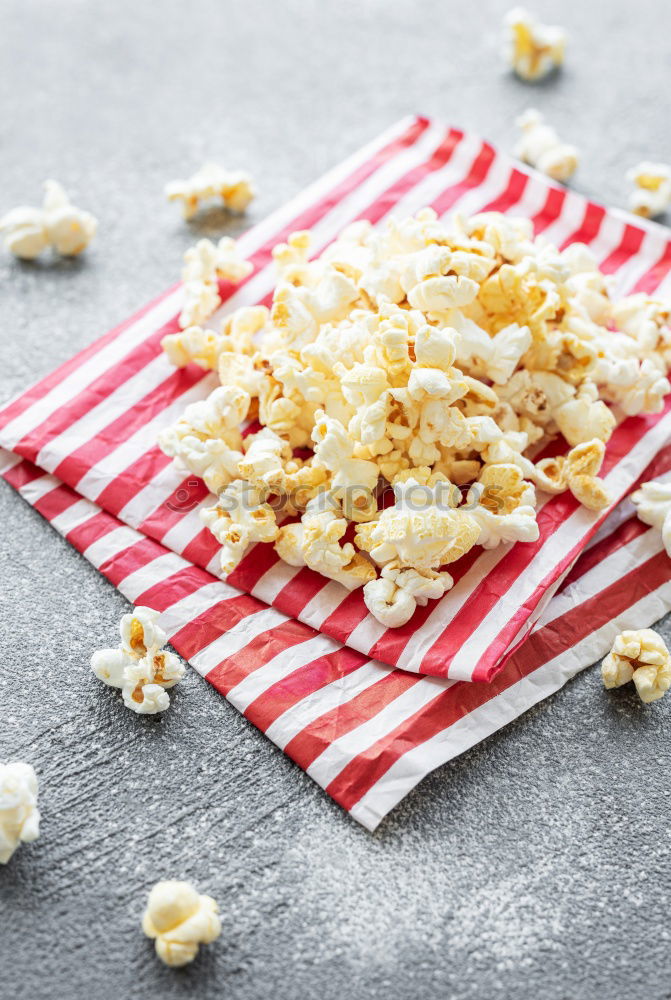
[324,687]
[94,423]
[366,732]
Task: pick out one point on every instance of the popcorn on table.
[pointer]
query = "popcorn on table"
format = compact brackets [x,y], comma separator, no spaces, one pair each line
[233,187]
[652,189]
[205,264]
[19,815]
[533,50]
[421,359]
[179,919]
[140,666]
[642,657]
[540,147]
[58,224]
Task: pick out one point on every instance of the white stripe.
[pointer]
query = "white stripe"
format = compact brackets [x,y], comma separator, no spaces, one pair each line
[496,713]
[188,608]
[38,488]
[327,699]
[8,460]
[277,668]
[156,571]
[236,638]
[78,513]
[624,560]
[140,442]
[342,751]
[111,544]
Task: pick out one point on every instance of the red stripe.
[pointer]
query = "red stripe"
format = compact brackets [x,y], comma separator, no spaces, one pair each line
[302,683]
[137,555]
[92,530]
[215,621]
[318,736]
[517,185]
[261,650]
[78,462]
[299,591]
[22,474]
[655,276]
[40,389]
[184,498]
[475,176]
[146,468]
[164,594]
[550,211]
[55,502]
[629,245]
[589,228]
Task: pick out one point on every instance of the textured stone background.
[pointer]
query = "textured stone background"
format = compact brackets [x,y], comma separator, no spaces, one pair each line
[536,865]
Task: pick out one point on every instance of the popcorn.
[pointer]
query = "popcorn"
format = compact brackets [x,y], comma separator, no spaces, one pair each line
[425,356]
[140,667]
[539,146]
[640,656]
[206,440]
[315,542]
[58,224]
[533,50]
[179,919]
[19,815]
[234,188]
[204,265]
[653,507]
[652,193]
[576,472]
[239,518]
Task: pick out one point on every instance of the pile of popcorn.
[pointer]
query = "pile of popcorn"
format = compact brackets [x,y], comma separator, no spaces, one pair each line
[140,666]
[433,359]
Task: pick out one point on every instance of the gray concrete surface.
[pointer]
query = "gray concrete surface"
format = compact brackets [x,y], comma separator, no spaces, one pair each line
[538,864]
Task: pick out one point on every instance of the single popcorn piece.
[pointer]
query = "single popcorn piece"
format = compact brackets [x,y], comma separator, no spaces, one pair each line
[640,656]
[652,189]
[140,667]
[426,356]
[533,50]
[234,188]
[540,147]
[653,507]
[179,919]
[19,815]
[58,224]
[205,264]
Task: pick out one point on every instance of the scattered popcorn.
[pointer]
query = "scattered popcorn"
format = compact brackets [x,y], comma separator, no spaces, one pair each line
[19,815]
[58,224]
[540,147]
[640,656]
[653,507]
[420,358]
[179,919]
[533,50]
[140,667]
[234,188]
[205,264]
[652,189]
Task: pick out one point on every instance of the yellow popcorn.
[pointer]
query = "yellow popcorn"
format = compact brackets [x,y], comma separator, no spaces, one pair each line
[204,264]
[639,655]
[652,189]
[179,920]
[541,147]
[234,188]
[533,50]
[423,356]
